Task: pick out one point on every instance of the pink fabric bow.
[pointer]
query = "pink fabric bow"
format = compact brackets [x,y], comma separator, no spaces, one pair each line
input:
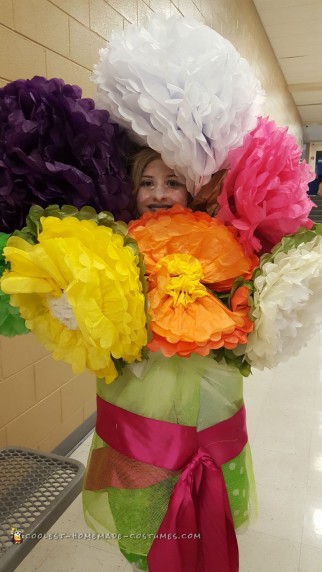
[197,533]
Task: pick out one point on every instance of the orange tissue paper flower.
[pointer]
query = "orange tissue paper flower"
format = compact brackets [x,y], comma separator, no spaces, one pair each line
[185,252]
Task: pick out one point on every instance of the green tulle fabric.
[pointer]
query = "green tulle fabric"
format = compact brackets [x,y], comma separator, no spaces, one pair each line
[190,391]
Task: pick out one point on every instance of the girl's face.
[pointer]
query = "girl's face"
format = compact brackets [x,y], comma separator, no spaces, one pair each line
[160,188]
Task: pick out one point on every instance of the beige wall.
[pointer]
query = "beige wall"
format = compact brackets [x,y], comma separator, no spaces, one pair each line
[41,402]
[62,37]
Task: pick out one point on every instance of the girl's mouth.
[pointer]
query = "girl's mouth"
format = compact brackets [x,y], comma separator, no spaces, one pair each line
[157,207]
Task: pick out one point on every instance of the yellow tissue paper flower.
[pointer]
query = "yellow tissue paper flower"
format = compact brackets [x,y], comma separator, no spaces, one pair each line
[79,291]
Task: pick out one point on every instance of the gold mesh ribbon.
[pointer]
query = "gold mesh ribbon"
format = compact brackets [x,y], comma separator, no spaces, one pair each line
[109,468]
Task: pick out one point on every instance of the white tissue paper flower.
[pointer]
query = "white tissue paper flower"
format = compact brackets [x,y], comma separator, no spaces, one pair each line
[287,304]
[183,90]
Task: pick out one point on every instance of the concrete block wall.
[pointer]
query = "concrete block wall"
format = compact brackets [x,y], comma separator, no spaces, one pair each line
[41,401]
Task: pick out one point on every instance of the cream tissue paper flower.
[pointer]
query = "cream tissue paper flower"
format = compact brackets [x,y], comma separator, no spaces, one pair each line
[287,304]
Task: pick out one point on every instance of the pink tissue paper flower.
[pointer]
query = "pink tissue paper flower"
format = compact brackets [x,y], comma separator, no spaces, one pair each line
[265,190]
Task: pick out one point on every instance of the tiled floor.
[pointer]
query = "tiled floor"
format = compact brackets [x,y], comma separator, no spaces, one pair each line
[285,428]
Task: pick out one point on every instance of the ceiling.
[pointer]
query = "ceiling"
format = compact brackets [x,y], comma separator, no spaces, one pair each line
[294,28]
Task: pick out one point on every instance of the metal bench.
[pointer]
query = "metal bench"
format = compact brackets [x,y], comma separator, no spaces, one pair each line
[35,489]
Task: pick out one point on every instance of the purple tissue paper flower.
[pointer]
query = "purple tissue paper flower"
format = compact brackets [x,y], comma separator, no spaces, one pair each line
[55,147]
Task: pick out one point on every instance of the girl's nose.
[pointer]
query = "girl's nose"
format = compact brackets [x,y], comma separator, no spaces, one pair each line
[160,190]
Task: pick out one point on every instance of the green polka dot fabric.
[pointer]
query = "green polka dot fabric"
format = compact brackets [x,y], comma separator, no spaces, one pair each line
[238,488]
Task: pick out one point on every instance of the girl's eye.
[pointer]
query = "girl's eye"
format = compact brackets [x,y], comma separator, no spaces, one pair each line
[170,184]
[146,184]
[174,184]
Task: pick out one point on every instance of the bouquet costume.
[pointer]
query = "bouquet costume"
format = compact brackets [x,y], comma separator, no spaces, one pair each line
[172,311]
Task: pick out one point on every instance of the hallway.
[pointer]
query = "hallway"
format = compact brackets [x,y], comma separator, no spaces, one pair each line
[285,430]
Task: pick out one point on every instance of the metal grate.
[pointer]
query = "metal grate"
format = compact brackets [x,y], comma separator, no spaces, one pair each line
[35,489]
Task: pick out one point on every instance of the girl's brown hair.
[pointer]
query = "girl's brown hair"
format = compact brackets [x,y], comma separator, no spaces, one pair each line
[139,163]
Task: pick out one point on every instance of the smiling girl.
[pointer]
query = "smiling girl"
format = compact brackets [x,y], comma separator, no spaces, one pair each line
[156,186]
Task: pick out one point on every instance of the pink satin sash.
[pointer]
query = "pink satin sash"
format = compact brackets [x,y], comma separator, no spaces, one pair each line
[197,532]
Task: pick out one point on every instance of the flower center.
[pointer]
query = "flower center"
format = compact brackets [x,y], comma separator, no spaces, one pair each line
[61,309]
[185,273]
